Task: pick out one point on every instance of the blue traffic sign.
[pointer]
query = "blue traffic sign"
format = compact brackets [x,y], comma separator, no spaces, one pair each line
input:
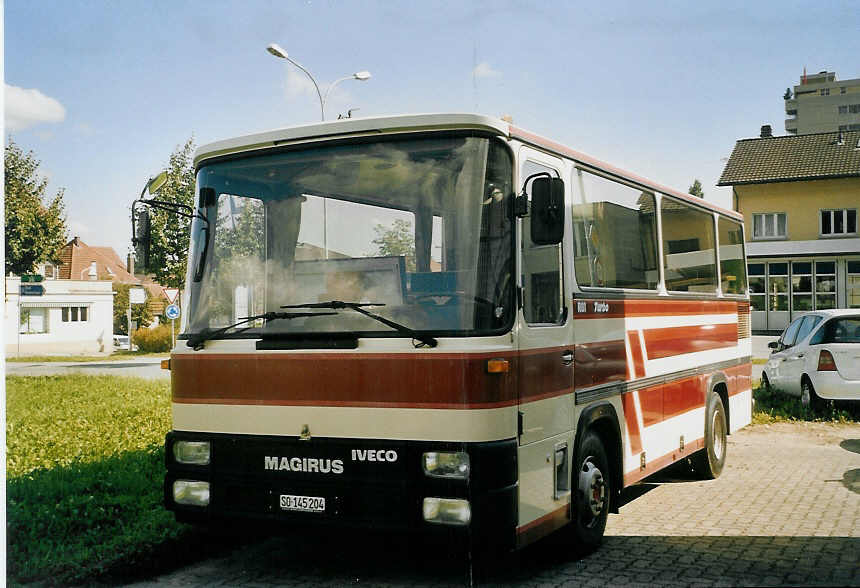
[32,290]
[172,312]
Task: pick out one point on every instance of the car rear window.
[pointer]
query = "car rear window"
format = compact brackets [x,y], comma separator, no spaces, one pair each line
[838,330]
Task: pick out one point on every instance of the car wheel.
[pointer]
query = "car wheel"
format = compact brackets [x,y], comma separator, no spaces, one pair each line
[708,463]
[765,383]
[593,494]
[808,398]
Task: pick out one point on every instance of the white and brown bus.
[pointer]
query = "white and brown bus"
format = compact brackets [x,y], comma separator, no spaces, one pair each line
[446,323]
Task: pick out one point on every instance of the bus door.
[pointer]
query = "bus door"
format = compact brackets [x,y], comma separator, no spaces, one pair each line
[545,379]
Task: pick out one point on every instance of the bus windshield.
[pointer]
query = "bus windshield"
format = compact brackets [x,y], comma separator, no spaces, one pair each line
[420,227]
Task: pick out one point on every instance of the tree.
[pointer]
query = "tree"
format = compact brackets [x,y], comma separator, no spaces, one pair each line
[140,313]
[696,189]
[35,229]
[396,240]
[170,232]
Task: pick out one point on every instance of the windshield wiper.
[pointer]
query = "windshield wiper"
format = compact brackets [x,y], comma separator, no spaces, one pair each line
[426,340]
[196,341]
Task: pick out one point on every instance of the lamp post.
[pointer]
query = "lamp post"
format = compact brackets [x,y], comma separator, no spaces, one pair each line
[279,52]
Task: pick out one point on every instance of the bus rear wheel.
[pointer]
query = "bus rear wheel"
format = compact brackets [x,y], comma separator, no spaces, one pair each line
[708,463]
[592,494]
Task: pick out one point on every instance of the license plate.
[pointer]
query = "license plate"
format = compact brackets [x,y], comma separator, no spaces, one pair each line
[302,503]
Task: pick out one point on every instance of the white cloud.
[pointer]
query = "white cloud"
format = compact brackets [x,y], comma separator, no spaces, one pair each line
[25,108]
[298,84]
[484,70]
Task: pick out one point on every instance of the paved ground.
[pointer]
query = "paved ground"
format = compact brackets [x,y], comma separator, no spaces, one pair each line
[786,511]
[140,368]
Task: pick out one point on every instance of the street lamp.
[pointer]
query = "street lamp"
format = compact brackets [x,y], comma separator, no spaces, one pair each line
[279,52]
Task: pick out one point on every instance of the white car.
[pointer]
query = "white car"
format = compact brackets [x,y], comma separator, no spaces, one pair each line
[817,357]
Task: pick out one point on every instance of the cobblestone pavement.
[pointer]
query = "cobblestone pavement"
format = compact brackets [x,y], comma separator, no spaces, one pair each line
[786,511]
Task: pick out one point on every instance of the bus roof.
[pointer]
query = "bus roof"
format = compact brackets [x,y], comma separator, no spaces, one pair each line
[429,122]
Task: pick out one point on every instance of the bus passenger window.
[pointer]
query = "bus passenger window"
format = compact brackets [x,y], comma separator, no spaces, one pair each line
[689,258]
[614,235]
[732,269]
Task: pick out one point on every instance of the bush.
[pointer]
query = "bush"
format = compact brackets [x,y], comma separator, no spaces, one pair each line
[153,340]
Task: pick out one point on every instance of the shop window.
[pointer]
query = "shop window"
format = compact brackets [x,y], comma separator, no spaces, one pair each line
[825,284]
[777,286]
[853,286]
[801,286]
[757,286]
[33,320]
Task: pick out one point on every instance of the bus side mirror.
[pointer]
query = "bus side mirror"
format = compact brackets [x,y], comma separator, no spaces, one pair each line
[141,237]
[547,211]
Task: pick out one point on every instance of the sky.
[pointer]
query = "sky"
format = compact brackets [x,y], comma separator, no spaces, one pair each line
[103,91]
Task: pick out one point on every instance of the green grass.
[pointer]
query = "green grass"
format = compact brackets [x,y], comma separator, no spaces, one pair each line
[759,361]
[85,463]
[776,407]
[122,354]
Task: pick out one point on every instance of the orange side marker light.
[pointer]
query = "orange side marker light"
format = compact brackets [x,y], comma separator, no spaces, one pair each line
[498,366]
[165,364]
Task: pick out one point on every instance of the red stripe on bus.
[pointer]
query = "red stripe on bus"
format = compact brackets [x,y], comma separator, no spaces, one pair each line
[630,307]
[739,378]
[348,379]
[651,403]
[671,341]
[638,368]
[402,380]
[659,463]
[629,406]
[670,399]
[599,363]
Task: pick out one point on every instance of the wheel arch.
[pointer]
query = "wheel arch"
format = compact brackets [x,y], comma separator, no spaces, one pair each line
[602,418]
[718,384]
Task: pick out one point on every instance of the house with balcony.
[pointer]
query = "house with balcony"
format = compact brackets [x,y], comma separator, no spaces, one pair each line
[800,197]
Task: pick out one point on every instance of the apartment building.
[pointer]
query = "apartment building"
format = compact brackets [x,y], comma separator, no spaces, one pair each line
[800,197]
[821,103]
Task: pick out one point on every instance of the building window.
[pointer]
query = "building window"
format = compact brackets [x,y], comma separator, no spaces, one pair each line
[853,287]
[825,284]
[33,320]
[777,286]
[824,91]
[854,108]
[801,286]
[843,109]
[769,225]
[838,222]
[842,89]
[75,314]
[757,285]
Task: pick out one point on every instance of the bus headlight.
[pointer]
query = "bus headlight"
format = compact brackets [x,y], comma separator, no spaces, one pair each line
[192,452]
[447,511]
[191,492]
[440,464]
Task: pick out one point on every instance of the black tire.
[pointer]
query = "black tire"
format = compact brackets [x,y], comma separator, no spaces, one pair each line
[708,463]
[809,399]
[592,491]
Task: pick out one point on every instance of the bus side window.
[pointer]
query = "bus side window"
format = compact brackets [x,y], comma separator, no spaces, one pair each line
[543,283]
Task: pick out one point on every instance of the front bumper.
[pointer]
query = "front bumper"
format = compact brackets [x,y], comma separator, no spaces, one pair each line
[375,484]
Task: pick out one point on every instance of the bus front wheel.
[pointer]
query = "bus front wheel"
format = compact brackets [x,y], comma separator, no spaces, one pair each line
[593,491]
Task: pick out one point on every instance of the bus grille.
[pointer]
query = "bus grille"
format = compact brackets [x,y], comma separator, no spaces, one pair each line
[744,331]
